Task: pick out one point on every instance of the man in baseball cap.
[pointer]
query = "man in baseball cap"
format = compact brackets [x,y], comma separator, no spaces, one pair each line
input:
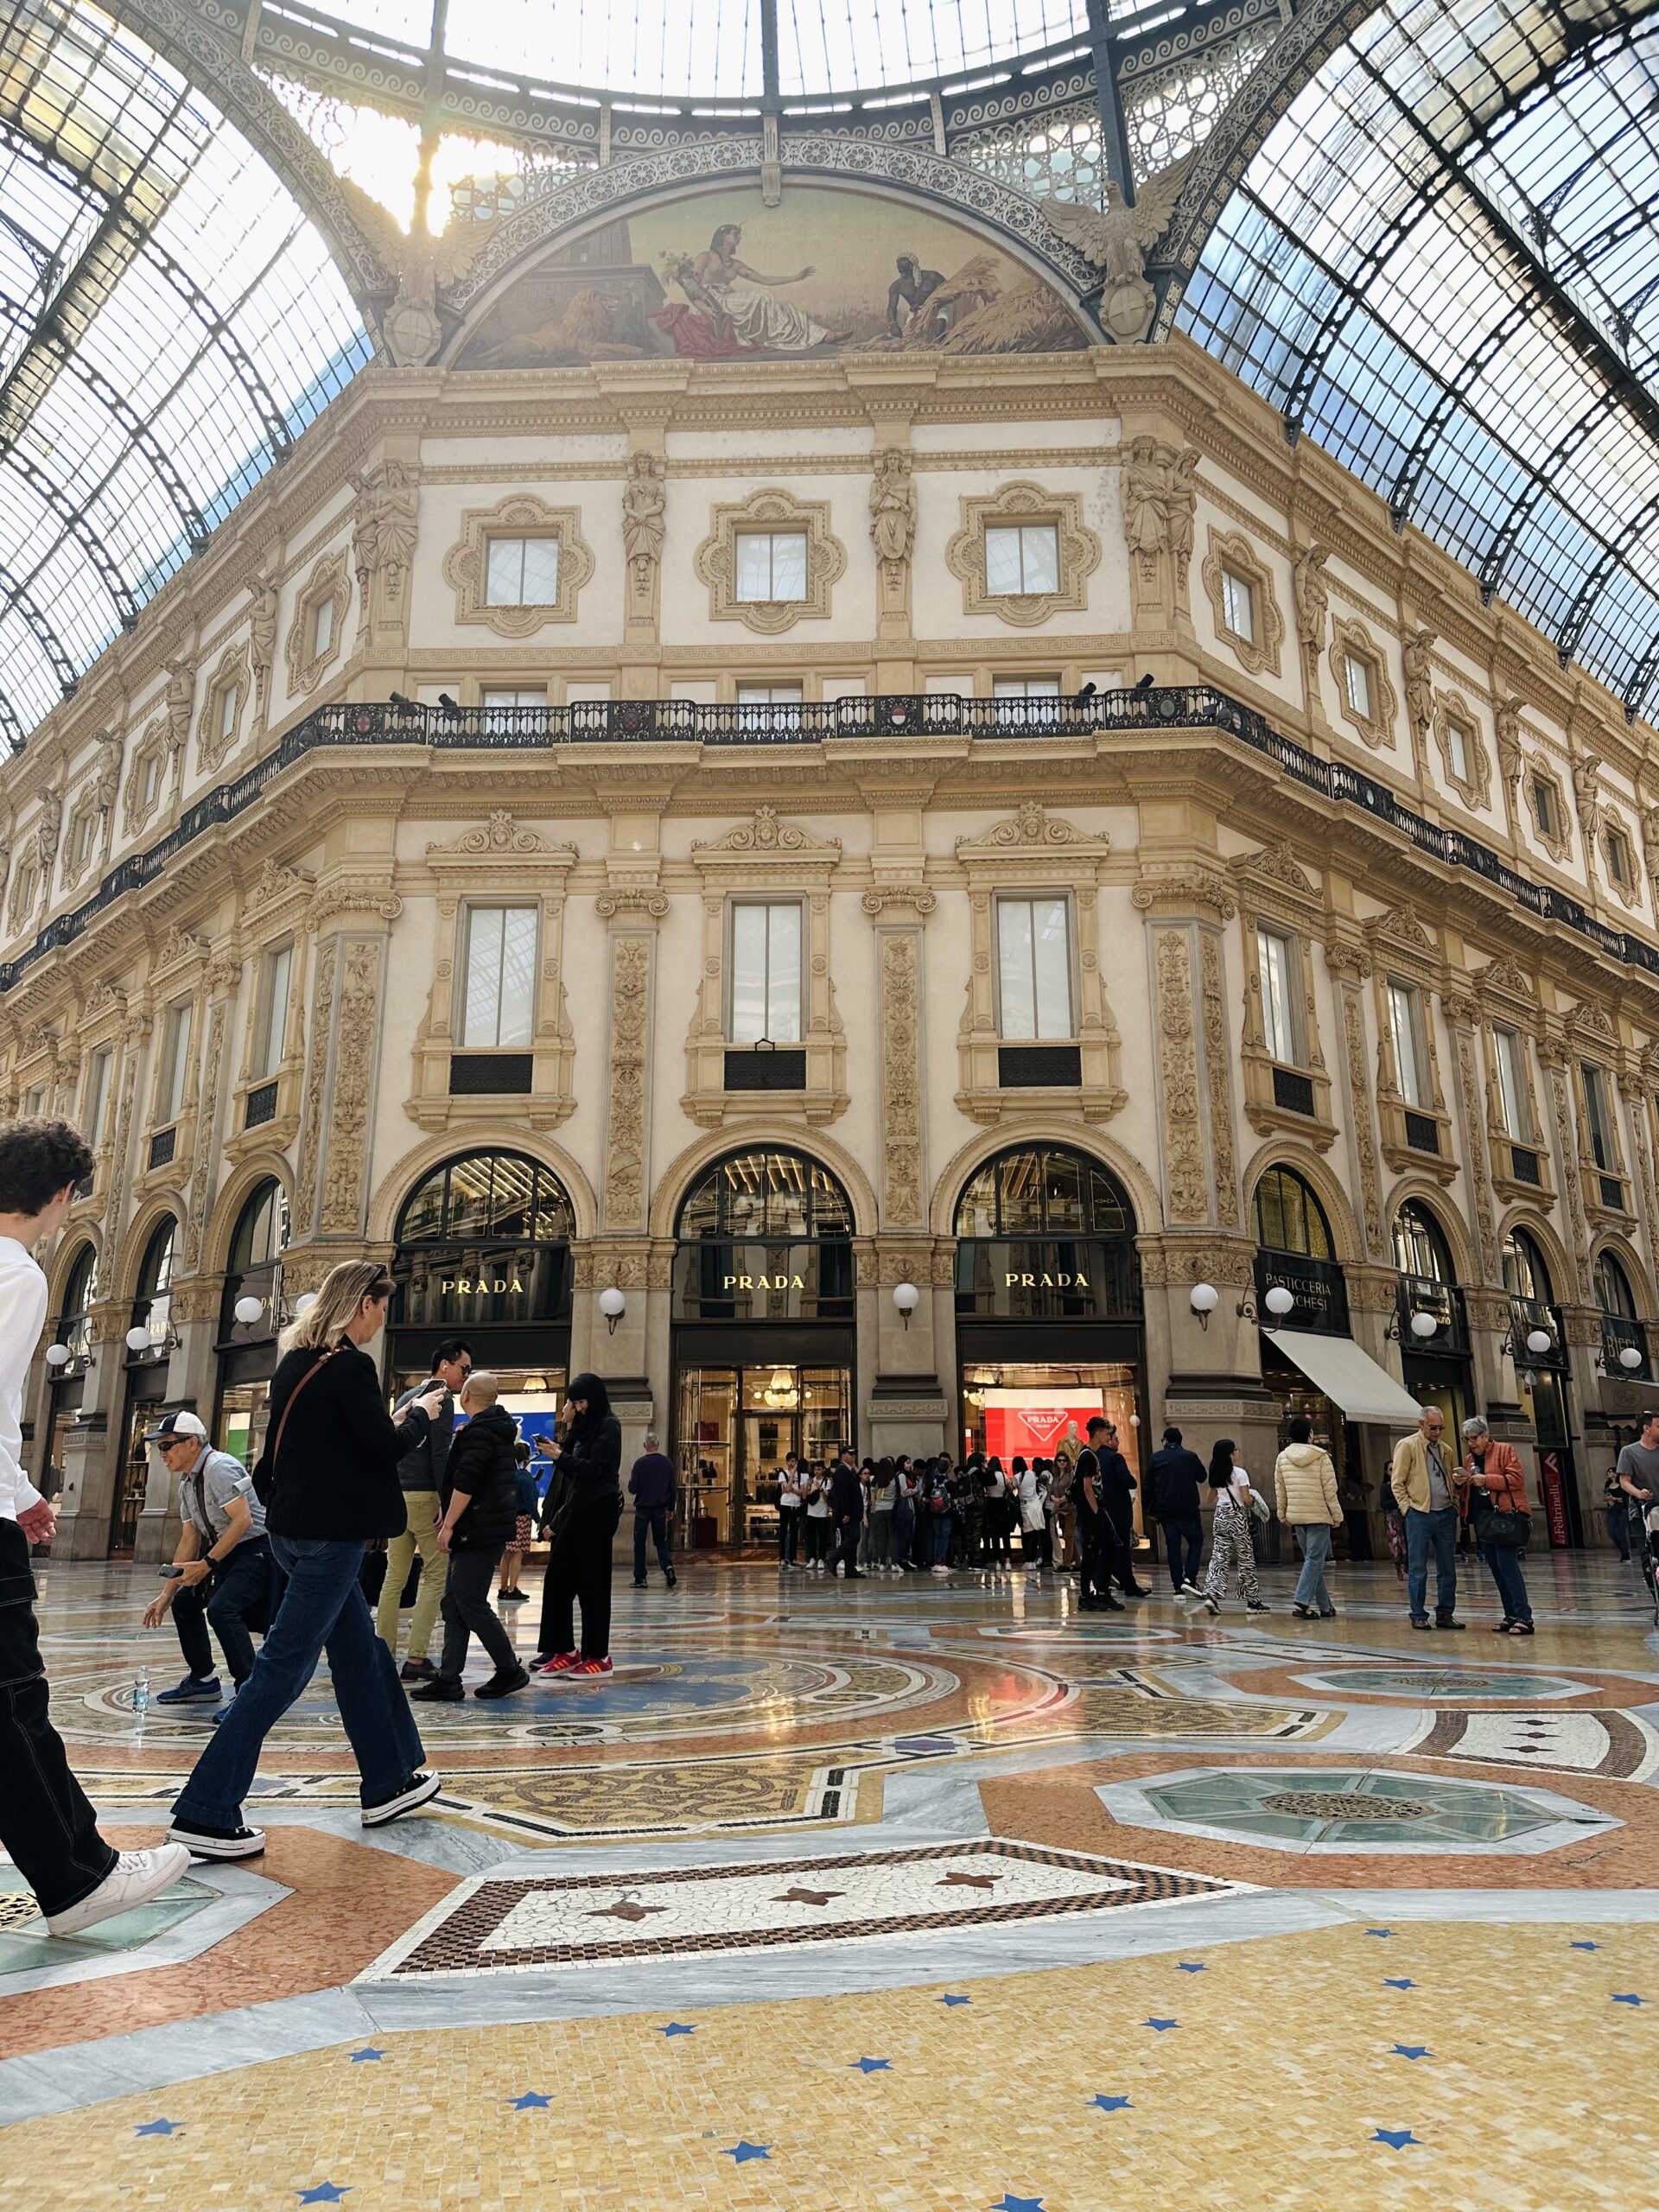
[222,1570]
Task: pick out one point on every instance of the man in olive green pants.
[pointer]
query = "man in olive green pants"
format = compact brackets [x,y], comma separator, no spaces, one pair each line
[422,1476]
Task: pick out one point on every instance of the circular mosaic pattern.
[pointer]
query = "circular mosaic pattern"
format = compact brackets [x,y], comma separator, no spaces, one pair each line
[1437,1685]
[1344,1805]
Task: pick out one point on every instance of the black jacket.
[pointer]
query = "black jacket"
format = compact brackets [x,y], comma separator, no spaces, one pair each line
[592,1458]
[336,1475]
[1177,1477]
[1114,1487]
[846,1492]
[484,1462]
[422,1468]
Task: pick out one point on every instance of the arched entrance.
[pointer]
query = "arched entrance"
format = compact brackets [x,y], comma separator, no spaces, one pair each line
[246,1351]
[483,1253]
[146,1356]
[1048,1305]
[1434,1361]
[763,1336]
[69,1358]
[1536,1347]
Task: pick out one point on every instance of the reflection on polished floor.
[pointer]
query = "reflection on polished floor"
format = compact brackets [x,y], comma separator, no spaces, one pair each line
[930,1894]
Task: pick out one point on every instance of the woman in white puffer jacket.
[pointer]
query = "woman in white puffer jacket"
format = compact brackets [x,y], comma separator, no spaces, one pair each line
[1306,1482]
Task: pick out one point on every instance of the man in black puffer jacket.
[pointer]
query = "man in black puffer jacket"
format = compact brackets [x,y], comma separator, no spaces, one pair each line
[480,1509]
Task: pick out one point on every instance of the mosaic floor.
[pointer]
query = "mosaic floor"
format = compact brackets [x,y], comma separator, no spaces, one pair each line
[927,1897]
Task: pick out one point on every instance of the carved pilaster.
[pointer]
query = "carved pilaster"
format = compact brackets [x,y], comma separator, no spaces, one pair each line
[1361,1128]
[1185,1193]
[1219,1082]
[345,1159]
[322,1015]
[903,1201]
[624,1194]
[1460,1015]
[1567,1161]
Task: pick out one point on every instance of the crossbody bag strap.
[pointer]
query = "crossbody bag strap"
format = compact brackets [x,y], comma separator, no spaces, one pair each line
[315,1368]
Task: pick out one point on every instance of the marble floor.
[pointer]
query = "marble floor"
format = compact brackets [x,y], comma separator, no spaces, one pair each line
[924,1896]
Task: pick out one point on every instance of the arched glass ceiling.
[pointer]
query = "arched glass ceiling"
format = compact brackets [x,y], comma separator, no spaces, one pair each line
[168,323]
[1443,265]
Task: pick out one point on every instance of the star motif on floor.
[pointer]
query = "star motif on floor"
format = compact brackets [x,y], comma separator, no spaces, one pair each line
[1411,2051]
[1395,2138]
[954,1881]
[743,2151]
[1630,1999]
[1584,1947]
[1160,2026]
[368,2051]
[1398,1985]
[1190,1966]
[956,2000]
[677,2028]
[808,1896]
[159,2127]
[326,2192]
[1008,2202]
[1379,1931]
[1110,2104]
[532,2101]
[871,2065]
[626,1911]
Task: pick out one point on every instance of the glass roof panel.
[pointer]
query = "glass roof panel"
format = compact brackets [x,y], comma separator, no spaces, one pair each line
[169,321]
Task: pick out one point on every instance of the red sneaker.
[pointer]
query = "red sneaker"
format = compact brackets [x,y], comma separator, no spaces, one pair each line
[560,1663]
[590,1670]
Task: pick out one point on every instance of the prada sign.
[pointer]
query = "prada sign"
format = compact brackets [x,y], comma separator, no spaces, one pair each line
[480,1283]
[1045,1279]
[763,1282]
[481,1287]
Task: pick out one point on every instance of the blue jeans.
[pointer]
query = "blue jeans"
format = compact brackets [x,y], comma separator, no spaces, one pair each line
[904,1532]
[322,1609]
[939,1540]
[1315,1537]
[1511,1583]
[1438,1531]
[1618,1527]
[652,1521]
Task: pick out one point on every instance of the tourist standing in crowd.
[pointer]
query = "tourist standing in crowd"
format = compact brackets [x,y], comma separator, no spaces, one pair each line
[329,1483]
[1305,1482]
[421,1474]
[581,1524]
[941,1516]
[1421,1481]
[1059,1512]
[816,1490]
[222,1558]
[999,1511]
[1096,1536]
[508,1590]
[1176,1476]
[1497,1489]
[1034,1516]
[480,1511]
[789,1511]
[903,1516]
[1232,1549]
[884,1500]
[651,1485]
[847,1509]
[1619,1514]
[48,1829]
[1117,1488]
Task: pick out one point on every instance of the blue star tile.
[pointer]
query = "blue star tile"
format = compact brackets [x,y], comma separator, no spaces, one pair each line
[1379,1931]
[532,2101]
[1584,1947]
[1160,2027]
[677,2028]
[1410,2050]
[1188,1966]
[743,2151]
[159,2127]
[368,2051]
[1398,1984]
[1110,2104]
[871,2065]
[1629,1999]
[326,2192]
[1395,2138]
[956,2000]
[1008,2202]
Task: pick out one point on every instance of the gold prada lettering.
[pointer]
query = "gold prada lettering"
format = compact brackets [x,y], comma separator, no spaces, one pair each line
[481,1287]
[763,1282]
[1059,1281]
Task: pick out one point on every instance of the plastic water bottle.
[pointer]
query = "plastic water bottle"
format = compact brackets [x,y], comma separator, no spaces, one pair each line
[141,1693]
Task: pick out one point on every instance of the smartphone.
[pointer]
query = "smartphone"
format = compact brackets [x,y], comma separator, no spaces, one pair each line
[169,1573]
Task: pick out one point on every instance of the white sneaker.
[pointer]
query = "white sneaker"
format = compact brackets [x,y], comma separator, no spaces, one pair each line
[136,1877]
[1191,1590]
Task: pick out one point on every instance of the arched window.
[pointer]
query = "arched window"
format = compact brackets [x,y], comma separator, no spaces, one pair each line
[1046,1233]
[152,1305]
[1419,1246]
[1289,1217]
[1046,1193]
[484,1239]
[491,1197]
[1624,1339]
[257,1243]
[765,1236]
[1525,1273]
[1614,1291]
[72,1329]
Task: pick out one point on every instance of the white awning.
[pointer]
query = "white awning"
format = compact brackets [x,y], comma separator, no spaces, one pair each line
[1349,1376]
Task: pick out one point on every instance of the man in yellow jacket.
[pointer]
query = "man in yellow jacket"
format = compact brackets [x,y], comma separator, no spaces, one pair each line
[1425,1482]
[1306,1482]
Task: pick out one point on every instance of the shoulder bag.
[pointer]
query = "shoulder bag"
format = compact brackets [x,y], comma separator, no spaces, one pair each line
[264,1475]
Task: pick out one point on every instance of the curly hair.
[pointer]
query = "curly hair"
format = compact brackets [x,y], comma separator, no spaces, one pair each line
[38,1159]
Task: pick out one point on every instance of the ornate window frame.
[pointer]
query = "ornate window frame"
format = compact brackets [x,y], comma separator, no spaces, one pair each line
[1508,1000]
[1031,851]
[1077,550]
[1591,1037]
[1353,638]
[1231,550]
[1475,789]
[151,745]
[1539,768]
[759,858]
[769,508]
[498,861]
[1403,951]
[26,879]
[80,839]
[328,584]
[466,565]
[1614,825]
[1275,893]
[232,672]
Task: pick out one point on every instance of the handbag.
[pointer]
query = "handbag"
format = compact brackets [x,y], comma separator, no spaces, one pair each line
[264,1475]
[1508,1532]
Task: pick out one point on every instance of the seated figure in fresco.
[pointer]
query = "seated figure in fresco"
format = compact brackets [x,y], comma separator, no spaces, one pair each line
[908,289]
[731,308]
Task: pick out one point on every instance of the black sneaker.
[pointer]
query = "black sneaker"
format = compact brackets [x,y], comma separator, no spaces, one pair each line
[415,1792]
[638,1581]
[1445,1620]
[512,1597]
[417,1671]
[670,1577]
[217,1843]
[503,1685]
[439,1691]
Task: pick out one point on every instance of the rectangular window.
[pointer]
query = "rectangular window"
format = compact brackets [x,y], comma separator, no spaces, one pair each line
[771,564]
[227,704]
[766,971]
[1597,1115]
[35,1102]
[498,1008]
[322,628]
[1025,687]
[271,1017]
[521,572]
[1543,806]
[1276,957]
[84,836]
[1357,681]
[1513,1095]
[152,777]
[1033,958]
[1410,1055]
[1021,558]
[768,695]
[1459,747]
[1618,858]
[98,1095]
[175,1059]
[510,699]
[1238,606]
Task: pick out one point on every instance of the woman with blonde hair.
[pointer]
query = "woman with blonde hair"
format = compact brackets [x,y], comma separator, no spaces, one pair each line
[328,1481]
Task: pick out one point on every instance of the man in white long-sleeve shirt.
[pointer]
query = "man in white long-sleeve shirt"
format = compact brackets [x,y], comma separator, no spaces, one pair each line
[47,1827]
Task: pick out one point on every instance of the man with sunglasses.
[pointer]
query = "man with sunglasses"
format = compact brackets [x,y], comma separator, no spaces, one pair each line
[420,1473]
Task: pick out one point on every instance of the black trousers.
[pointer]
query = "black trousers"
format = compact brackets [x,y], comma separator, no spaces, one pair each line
[1095,1541]
[467,1611]
[579,1573]
[1185,1534]
[48,1829]
[241,1600]
[847,1536]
